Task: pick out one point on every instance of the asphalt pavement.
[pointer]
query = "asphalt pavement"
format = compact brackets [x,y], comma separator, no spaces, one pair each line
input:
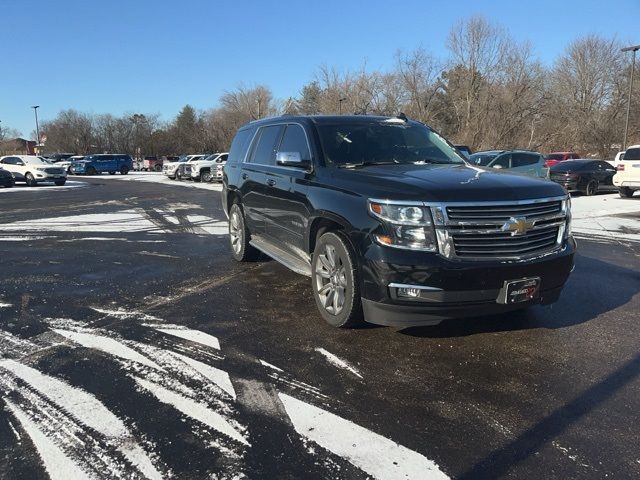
[133,346]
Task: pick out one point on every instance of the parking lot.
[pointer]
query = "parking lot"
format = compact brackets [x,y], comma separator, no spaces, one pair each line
[133,346]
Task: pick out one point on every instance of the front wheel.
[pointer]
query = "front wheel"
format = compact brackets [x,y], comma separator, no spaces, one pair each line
[206,176]
[92,171]
[123,171]
[30,180]
[158,168]
[60,183]
[625,192]
[335,281]
[239,236]
[112,173]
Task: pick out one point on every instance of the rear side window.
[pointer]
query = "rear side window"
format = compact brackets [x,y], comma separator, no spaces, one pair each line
[524,159]
[502,161]
[264,152]
[294,140]
[239,145]
[632,154]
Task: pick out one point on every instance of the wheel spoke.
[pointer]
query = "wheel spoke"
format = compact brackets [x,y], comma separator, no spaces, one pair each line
[322,272]
[328,301]
[338,300]
[325,262]
[325,289]
[331,256]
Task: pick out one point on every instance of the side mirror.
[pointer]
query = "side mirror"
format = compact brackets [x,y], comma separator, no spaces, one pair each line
[291,159]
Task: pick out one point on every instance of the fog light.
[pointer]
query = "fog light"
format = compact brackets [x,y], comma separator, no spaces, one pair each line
[409,292]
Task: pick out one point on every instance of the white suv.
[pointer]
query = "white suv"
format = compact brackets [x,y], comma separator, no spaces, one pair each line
[170,169]
[33,170]
[209,168]
[627,178]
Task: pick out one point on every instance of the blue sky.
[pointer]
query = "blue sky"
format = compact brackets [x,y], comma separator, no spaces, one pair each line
[116,56]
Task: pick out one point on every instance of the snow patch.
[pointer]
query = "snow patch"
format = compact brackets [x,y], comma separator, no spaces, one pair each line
[193,409]
[56,463]
[376,455]
[107,345]
[213,374]
[338,362]
[273,367]
[188,334]
[125,314]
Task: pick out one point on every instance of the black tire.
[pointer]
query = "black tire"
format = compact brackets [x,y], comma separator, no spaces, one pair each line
[123,171]
[30,180]
[334,270]
[239,236]
[206,176]
[112,173]
[158,168]
[625,192]
[60,183]
[591,188]
[92,171]
[178,175]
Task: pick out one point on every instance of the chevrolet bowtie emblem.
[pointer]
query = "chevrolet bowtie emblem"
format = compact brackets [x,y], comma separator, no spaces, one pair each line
[518,225]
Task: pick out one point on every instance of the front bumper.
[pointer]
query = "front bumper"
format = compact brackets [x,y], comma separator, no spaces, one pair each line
[455,288]
[49,177]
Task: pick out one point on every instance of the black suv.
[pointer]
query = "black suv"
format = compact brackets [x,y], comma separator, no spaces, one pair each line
[391,223]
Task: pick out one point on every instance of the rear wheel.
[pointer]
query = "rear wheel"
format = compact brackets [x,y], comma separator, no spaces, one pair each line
[592,188]
[158,168]
[625,192]
[112,173]
[123,171]
[30,180]
[92,171]
[335,281]
[239,236]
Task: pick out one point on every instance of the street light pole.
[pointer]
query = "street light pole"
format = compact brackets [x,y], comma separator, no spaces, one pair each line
[35,110]
[633,49]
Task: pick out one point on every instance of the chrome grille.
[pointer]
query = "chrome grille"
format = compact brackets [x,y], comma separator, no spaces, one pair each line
[54,171]
[486,231]
[503,212]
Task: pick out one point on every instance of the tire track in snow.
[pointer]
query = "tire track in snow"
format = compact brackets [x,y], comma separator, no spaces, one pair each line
[56,463]
[88,410]
[376,455]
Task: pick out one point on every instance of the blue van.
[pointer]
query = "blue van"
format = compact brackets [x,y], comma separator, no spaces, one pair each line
[95,164]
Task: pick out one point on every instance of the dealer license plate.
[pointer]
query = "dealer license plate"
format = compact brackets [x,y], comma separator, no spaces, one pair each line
[518,291]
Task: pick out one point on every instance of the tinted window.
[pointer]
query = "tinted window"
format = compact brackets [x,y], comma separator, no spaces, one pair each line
[632,154]
[390,141]
[239,145]
[524,159]
[502,161]
[264,152]
[554,156]
[482,159]
[294,140]
[571,165]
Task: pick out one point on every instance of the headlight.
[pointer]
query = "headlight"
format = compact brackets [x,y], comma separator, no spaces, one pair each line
[566,206]
[407,226]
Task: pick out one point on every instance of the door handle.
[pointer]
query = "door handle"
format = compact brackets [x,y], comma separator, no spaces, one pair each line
[244,176]
[271,182]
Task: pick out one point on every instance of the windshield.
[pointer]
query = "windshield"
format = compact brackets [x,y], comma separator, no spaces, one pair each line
[570,165]
[482,159]
[366,143]
[554,156]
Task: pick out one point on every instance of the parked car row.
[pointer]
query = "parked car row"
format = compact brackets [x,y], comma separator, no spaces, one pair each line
[205,168]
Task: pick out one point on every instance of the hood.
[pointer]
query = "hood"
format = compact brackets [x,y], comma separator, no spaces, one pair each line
[443,183]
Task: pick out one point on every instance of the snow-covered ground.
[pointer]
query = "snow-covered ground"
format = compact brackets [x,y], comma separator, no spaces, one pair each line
[606,218]
[21,187]
[155,177]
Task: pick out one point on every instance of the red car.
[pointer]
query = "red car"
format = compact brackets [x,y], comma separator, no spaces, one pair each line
[552,158]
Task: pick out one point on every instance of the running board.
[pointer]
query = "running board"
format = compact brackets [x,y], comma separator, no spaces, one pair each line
[292,262]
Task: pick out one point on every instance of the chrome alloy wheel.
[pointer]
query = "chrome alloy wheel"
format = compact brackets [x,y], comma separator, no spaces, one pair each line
[331,280]
[235,232]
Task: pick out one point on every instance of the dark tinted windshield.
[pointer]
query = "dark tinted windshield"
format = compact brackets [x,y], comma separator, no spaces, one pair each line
[356,143]
[482,159]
